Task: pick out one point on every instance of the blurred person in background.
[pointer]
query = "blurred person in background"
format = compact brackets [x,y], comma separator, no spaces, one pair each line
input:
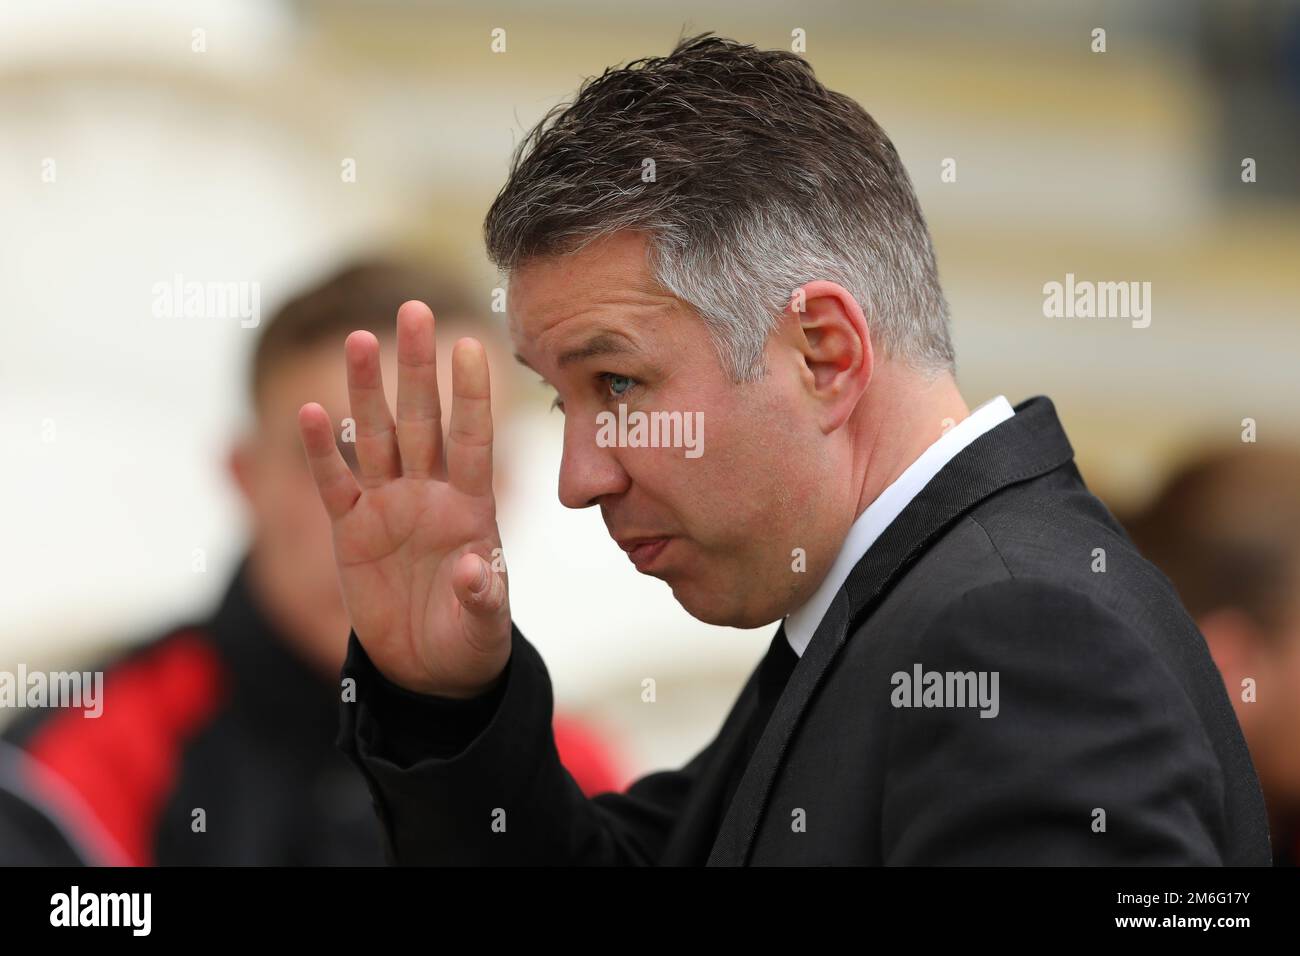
[217,740]
[1225,528]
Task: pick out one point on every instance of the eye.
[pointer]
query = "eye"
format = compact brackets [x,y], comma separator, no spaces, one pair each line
[618,385]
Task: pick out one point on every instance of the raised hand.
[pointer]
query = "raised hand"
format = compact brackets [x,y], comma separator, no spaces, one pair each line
[416,539]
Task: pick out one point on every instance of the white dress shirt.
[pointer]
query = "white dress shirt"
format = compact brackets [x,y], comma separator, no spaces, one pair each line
[802,622]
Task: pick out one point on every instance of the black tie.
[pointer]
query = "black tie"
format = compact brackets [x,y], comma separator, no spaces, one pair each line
[773,674]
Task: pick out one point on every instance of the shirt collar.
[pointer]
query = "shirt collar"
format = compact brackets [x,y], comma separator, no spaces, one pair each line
[802,622]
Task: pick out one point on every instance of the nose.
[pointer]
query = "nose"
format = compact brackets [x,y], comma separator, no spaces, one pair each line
[587,471]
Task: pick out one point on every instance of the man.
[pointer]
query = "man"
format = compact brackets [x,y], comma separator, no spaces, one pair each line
[216,744]
[715,234]
[1225,528]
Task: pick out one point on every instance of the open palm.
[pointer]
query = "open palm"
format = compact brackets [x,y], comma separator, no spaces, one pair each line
[416,539]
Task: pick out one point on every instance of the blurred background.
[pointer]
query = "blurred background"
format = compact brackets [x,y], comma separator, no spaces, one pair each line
[272,142]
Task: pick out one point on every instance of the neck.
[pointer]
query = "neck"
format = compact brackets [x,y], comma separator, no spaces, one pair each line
[266,588]
[905,413]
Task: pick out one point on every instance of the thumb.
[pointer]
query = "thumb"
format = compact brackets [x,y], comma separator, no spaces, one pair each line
[482,593]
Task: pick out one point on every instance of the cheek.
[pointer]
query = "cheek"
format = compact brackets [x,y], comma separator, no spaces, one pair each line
[307,515]
[741,487]
[763,470]
[289,511]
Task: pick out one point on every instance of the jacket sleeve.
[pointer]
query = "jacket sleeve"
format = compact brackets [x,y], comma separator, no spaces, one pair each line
[1090,722]
[480,782]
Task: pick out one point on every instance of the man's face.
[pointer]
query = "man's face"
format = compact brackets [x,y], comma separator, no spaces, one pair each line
[720,529]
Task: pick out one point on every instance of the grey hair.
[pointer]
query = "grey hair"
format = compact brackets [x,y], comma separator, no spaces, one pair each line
[763,181]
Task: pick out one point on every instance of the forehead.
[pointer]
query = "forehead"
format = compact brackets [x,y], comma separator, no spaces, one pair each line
[316,373]
[607,285]
[316,368]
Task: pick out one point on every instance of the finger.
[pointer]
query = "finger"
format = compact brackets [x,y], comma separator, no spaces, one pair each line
[482,596]
[469,440]
[377,453]
[419,413]
[335,483]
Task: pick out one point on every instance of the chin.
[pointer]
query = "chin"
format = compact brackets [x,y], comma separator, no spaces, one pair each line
[707,608]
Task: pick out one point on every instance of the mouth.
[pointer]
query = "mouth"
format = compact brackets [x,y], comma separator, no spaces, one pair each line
[643,551]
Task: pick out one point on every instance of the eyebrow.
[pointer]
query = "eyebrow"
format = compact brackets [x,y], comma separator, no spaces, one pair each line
[603,343]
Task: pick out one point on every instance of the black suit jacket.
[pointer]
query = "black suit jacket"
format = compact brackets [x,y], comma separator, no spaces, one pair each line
[1114,740]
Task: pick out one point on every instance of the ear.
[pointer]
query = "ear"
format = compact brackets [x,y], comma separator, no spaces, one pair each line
[239,465]
[830,332]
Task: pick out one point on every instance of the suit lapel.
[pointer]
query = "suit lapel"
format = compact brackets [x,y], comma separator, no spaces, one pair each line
[731,847]
[1025,446]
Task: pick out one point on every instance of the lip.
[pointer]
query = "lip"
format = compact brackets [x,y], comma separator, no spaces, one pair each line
[643,551]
